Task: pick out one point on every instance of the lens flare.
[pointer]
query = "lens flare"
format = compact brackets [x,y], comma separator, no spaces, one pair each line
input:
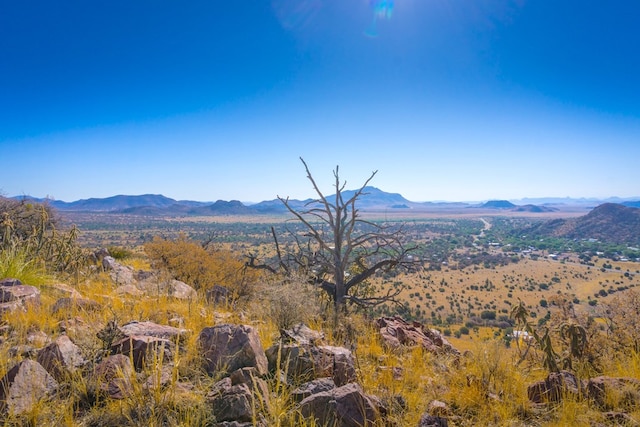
[382,9]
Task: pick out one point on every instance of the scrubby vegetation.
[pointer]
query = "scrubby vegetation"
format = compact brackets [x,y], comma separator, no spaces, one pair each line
[487,385]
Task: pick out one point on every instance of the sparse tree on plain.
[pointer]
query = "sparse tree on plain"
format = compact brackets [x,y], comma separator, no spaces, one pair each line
[338,249]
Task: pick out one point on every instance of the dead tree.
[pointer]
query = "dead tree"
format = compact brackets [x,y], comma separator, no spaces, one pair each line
[338,249]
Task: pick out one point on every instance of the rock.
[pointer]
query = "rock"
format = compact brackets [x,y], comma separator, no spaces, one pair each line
[428,420]
[120,274]
[232,403]
[620,419]
[38,339]
[345,406]
[151,329]
[610,393]
[100,254]
[130,289]
[69,303]
[312,387]
[24,385]
[229,347]
[21,293]
[112,377]
[217,295]
[9,281]
[301,334]
[65,291]
[10,307]
[61,358]
[438,408]
[396,333]
[144,350]
[181,290]
[250,377]
[305,363]
[555,387]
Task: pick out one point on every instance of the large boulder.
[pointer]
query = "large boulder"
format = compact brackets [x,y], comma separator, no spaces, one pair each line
[229,347]
[396,333]
[61,358]
[23,386]
[346,406]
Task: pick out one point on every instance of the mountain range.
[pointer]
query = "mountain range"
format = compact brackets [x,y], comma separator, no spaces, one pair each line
[372,199]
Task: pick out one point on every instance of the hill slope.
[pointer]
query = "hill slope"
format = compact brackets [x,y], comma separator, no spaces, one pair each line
[609,222]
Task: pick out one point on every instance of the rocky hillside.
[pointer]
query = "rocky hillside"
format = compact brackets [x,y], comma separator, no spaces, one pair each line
[609,222]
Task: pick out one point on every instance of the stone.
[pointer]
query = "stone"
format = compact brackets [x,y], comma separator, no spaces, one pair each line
[181,290]
[250,377]
[428,420]
[396,333]
[62,290]
[312,387]
[217,295]
[229,347]
[129,289]
[144,350]
[233,403]
[112,377]
[61,358]
[610,393]
[23,386]
[555,387]
[9,281]
[22,293]
[303,335]
[70,303]
[151,329]
[120,274]
[345,406]
[305,363]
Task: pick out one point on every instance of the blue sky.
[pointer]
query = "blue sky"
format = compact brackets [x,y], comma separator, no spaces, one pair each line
[204,100]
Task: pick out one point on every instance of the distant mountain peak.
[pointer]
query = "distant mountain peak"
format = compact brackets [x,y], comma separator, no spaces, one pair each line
[498,204]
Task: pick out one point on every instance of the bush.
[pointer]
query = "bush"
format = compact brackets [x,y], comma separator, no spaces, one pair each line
[189,262]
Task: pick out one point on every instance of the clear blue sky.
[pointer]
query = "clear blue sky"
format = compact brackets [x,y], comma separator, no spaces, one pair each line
[209,99]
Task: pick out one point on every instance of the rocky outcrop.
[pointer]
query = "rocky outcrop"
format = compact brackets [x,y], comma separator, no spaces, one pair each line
[23,386]
[226,348]
[396,333]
